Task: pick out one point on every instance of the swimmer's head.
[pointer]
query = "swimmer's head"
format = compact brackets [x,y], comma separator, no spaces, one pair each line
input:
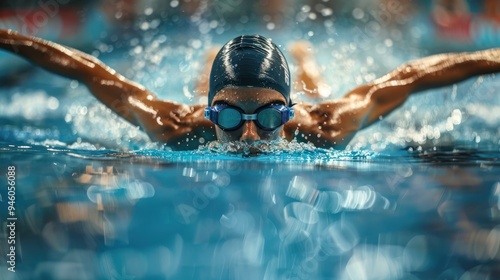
[249,93]
[250,61]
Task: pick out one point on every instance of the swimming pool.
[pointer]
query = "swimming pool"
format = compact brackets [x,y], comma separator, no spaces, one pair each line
[416,196]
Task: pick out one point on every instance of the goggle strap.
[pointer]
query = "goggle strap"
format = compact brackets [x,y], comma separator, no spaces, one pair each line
[287,115]
[208,113]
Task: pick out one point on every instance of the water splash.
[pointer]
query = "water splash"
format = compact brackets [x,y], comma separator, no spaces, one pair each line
[41,105]
[259,147]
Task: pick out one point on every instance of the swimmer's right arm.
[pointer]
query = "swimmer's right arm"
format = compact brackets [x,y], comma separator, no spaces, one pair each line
[336,122]
[163,120]
[105,84]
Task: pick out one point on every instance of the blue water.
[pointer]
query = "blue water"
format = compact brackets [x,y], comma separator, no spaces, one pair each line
[415,196]
[308,215]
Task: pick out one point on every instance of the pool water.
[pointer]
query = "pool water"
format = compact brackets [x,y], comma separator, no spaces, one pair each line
[299,215]
[415,196]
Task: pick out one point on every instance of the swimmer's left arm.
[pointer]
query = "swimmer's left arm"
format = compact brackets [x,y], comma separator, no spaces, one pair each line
[370,102]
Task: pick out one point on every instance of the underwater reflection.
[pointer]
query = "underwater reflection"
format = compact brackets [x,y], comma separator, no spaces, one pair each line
[124,218]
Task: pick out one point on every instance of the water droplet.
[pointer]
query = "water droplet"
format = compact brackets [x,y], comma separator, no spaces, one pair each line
[53,103]
[456,116]
[388,42]
[196,44]
[326,12]
[184,66]
[138,50]
[144,26]
[357,13]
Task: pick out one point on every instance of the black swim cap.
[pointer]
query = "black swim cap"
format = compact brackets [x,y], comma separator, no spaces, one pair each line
[250,61]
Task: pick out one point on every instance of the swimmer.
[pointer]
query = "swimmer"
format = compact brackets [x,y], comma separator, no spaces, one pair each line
[249,93]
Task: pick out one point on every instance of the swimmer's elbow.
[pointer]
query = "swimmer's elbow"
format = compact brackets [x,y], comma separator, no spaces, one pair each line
[390,92]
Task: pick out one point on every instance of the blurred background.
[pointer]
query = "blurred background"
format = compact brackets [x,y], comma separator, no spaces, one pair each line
[416,196]
[376,29]
[437,25]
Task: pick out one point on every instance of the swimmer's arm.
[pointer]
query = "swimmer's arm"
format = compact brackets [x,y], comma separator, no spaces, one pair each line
[104,83]
[164,121]
[370,102]
[178,125]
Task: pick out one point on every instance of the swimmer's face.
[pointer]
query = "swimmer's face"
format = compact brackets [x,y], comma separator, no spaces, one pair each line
[248,100]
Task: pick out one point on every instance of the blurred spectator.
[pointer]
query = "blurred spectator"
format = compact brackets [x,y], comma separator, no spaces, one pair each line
[76,23]
[394,12]
[120,10]
[445,12]
[492,9]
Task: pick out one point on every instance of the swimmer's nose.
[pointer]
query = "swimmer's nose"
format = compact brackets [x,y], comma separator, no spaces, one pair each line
[250,134]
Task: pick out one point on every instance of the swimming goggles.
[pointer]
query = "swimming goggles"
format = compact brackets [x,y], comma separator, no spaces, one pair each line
[268,117]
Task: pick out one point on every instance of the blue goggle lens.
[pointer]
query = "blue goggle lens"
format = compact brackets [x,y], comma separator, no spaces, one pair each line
[229,118]
[232,118]
[269,118]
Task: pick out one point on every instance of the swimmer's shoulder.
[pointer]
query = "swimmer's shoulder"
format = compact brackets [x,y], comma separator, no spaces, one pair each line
[320,124]
[178,125]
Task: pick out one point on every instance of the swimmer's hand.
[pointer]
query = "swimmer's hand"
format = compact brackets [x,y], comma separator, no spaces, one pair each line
[309,80]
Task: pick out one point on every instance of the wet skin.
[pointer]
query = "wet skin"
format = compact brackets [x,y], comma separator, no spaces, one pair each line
[327,124]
